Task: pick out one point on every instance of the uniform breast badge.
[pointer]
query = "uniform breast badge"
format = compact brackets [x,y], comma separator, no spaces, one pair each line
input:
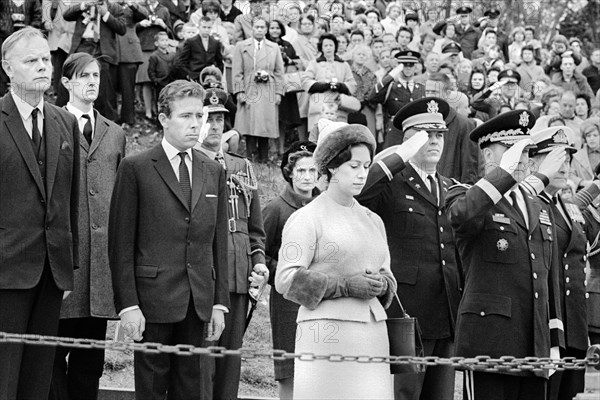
[502,244]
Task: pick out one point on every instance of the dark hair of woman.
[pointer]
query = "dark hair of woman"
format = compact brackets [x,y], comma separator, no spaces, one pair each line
[344,156]
[324,37]
[288,170]
[281,27]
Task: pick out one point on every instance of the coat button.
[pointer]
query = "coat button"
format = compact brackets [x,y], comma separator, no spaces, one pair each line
[565,255]
[584,283]
[442,245]
[189,265]
[532,256]
[529,237]
[443,262]
[187,219]
[567,279]
[534,275]
[92,192]
[189,242]
[501,228]
[441,229]
[482,313]
[568,292]
[410,209]
[584,258]
[47,228]
[439,213]
[587,295]
[40,162]
[94,227]
[566,267]
[536,295]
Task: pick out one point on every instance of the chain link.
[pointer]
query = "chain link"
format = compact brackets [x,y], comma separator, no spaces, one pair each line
[479,363]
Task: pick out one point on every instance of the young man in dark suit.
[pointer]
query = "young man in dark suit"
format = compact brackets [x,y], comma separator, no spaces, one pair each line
[168,249]
[96,27]
[406,191]
[198,53]
[246,241]
[39,191]
[86,311]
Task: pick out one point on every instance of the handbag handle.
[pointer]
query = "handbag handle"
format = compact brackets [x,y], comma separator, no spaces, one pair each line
[404,313]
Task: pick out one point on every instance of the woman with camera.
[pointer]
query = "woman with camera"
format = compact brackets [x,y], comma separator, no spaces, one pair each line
[326,79]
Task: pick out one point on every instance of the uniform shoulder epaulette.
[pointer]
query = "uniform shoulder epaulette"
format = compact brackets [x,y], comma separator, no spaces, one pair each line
[542,196]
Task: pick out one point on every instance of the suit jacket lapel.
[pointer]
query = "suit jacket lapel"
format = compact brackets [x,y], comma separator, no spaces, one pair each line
[164,169]
[198,177]
[100,130]
[14,125]
[413,179]
[53,142]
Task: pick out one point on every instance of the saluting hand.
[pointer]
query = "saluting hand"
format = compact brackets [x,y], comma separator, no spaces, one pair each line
[411,146]
[511,159]
[553,162]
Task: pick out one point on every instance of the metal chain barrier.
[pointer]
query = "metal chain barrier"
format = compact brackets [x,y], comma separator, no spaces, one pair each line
[479,363]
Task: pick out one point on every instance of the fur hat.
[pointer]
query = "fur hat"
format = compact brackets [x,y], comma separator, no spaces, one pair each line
[330,145]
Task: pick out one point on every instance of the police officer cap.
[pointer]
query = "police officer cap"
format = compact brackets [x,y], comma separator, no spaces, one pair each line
[492,13]
[411,16]
[408,57]
[509,75]
[464,10]
[548,138]
[507,129]
[428,113]
[215,100]
[452,48]
[294,148]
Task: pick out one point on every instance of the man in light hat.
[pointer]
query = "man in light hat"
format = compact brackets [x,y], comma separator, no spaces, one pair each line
[467,35]
[245,241]
[398,88]
[405,190]
[504,235]
[572,227]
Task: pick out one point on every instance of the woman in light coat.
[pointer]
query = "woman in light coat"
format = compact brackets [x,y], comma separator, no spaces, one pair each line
[258,84]
[326,78]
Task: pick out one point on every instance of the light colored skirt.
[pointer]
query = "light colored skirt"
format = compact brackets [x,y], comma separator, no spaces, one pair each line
[347,379]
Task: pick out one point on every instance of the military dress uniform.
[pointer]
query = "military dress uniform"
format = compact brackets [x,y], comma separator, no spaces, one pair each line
[394,94]
[509,306]
[245,243]
[422,250]
[467,35]
[572,227]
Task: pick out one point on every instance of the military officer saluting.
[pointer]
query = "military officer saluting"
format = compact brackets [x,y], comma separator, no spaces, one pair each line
[246,241]
[505,238]
[571,228]
[405,190]
[398,88]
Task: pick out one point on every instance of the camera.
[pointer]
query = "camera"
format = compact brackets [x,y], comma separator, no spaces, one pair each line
[261,76]
[333,85]
[152,18]
[18,21]
[212,85]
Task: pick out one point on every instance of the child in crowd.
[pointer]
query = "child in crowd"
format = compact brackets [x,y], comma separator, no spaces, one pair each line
[159,65]
[328,111]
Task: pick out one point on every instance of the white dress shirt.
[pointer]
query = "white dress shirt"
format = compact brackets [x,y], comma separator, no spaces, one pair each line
[25,110]
[521,203]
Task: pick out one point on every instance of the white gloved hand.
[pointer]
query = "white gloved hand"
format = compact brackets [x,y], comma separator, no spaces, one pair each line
[512,157]
[553,162]
[408,149]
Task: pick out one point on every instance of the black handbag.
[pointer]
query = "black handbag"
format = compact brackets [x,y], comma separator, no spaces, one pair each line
[405,340]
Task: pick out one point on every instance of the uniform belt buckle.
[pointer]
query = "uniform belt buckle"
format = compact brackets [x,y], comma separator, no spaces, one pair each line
[232,225]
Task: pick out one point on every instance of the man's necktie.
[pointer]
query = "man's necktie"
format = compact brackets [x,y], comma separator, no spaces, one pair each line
[35,132]
[434,188]
[184,180]
[87,129]
[221,160]
[513,196]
